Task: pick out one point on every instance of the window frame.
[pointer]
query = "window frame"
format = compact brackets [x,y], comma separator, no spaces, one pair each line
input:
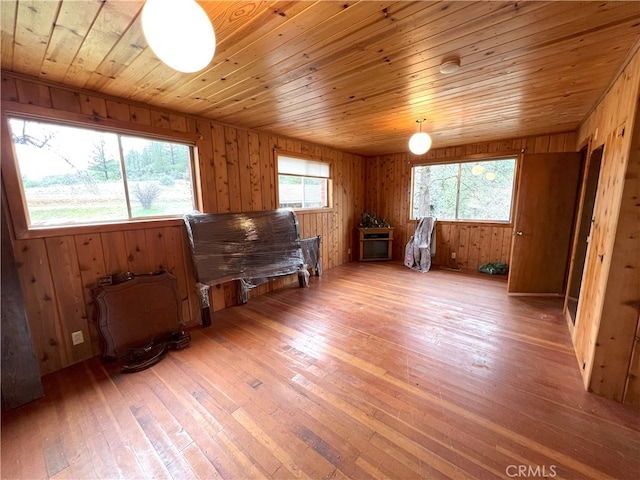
[12,184]
[515,155]
[299,156]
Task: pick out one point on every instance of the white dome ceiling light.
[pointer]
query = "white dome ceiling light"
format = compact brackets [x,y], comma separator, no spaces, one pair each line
[180,33]
[420,142]
[450,65]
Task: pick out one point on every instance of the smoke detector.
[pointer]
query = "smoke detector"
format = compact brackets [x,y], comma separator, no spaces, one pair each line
[450,65]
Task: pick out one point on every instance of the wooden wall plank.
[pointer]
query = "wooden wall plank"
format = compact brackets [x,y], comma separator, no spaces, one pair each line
[173,246]
[255,172]
[178,123]
[474,248]
[340,202]
[444,244]
[208,168]
[329,239]
[63,99]
[221,175]
[233,169]
[136,248]
[156,253]
[92,105]
[115,252]
[193,313]
[39,297]
[462,252]
[324,245]
[33,93]
[485,245]
[244,170]
[267,173]
[9,91]
[118,111]
[140,115]
[506,245]
[497,234]
[92,266]
[541,144]
[63,259]
[163,119]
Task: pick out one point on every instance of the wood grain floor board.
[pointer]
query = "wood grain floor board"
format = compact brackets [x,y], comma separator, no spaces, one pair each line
[137,458]
[374,371]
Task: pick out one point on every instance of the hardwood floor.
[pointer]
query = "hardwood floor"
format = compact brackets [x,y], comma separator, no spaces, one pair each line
[374,371]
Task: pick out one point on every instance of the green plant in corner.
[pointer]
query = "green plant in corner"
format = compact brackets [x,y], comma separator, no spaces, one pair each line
[370,220]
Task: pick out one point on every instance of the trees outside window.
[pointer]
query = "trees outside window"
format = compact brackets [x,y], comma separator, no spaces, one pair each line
[473,191]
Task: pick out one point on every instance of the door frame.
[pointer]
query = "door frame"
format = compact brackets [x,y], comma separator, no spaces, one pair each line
[589,163]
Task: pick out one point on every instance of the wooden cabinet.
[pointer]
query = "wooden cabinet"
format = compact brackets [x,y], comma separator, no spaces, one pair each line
[374,243]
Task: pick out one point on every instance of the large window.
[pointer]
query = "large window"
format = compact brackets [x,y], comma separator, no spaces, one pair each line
[464,191]
[303,183]
[72,175]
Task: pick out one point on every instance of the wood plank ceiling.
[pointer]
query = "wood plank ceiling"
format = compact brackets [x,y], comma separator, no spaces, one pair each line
[352,75]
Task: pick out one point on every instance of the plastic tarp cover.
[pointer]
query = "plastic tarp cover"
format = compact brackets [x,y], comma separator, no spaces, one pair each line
[311,253]
[252,245]
[421,246]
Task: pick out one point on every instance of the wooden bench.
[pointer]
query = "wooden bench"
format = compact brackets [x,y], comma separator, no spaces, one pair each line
[251,248]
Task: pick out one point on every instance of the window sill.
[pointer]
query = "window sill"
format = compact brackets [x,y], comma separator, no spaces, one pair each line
[304,211]
[85,229]
[473,223]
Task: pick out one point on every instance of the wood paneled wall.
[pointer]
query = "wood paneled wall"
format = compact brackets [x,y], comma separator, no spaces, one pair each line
[236,172]
[388,190]
[606,329]
[473,244]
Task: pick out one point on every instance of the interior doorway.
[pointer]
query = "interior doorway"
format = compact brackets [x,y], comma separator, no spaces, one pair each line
[584,229]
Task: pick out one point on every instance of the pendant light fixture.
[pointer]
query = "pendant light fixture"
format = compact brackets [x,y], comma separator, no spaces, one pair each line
[180,33]
[420,142]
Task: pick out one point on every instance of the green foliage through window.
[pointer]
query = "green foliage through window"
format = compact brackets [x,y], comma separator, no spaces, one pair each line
[74,175]
[464,191]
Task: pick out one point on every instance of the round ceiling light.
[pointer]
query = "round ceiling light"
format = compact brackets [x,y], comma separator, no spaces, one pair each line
[450,65]
[180,33]
[420,142]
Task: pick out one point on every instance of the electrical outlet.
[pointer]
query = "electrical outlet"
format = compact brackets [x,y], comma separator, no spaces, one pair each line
[77,337]
[453,255]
